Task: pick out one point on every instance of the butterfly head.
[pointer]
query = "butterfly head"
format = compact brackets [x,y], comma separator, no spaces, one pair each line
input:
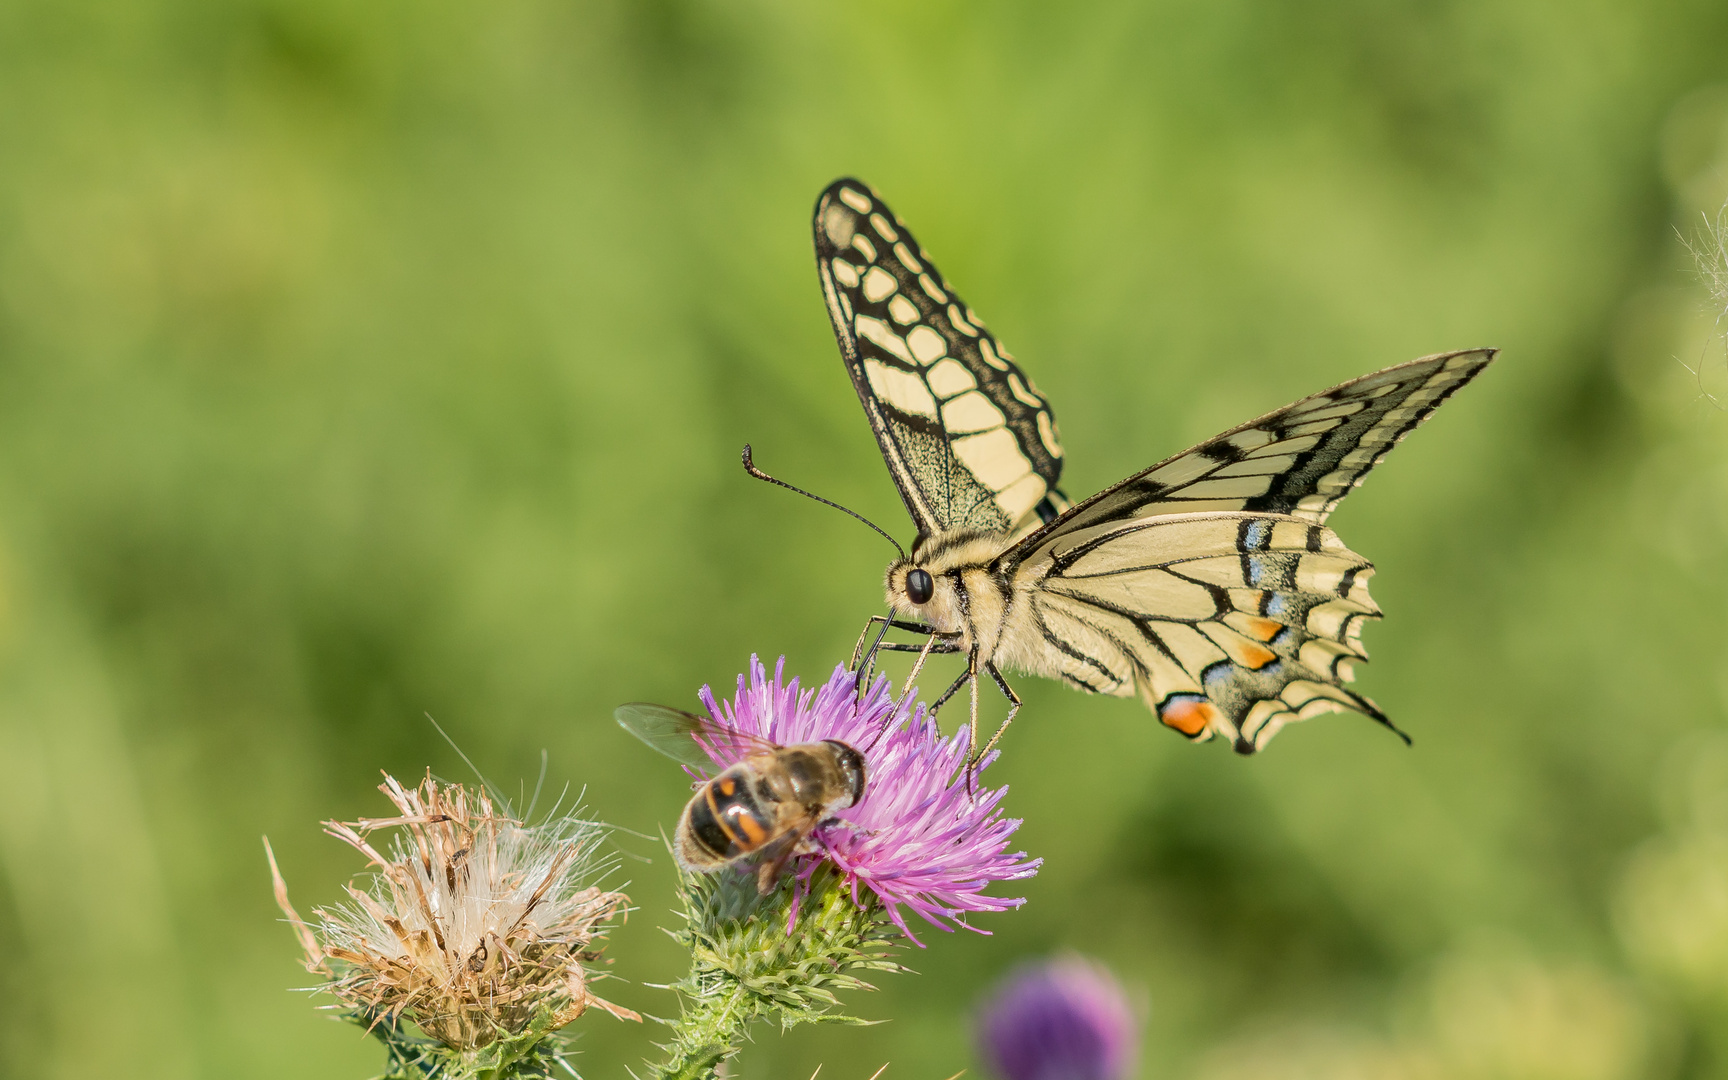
[914,590]
[927,583]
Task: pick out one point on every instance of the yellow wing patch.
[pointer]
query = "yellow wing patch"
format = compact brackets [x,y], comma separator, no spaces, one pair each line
[1223,624]
[970,442]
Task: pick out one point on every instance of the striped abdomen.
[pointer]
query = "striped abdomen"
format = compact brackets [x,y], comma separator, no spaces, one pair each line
[768,803]
[728,819]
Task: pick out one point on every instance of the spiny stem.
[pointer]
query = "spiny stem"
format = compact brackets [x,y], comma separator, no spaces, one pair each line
[748,965]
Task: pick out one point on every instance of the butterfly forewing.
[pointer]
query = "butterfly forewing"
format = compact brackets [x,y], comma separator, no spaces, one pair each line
[695,741]
[1300,460]
[969,440]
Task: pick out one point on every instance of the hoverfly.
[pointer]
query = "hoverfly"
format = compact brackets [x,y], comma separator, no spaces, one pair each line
[764,806]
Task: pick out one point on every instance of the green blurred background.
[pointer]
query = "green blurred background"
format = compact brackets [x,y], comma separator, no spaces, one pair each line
[363,361]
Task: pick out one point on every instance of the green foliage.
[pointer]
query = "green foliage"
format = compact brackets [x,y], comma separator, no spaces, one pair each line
[752,961]
[537,1052]
[360,361]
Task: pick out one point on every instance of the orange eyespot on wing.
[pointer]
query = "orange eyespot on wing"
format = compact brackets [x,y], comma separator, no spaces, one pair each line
[1244,652]
[1192,716]
[1261,630]
[1255,617]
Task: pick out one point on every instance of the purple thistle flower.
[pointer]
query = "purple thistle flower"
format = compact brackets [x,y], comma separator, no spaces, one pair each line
[1063,1019]
[917,838]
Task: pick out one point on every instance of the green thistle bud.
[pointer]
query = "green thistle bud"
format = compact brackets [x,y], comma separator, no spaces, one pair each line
[780,958]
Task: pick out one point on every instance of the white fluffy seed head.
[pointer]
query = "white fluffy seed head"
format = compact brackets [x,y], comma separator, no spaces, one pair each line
[474,925]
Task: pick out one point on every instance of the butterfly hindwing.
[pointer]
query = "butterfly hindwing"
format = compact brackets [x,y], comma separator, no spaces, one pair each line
[1223,624]
[969,440]
[1208,585]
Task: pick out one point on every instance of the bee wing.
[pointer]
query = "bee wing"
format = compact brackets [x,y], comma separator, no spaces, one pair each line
[697,741]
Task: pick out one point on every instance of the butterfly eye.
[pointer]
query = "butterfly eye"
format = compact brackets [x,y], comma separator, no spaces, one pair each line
[919,587]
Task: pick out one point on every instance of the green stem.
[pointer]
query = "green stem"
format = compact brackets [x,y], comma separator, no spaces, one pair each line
[710,1030]
[701,1064]
[505,1067]
[747,965]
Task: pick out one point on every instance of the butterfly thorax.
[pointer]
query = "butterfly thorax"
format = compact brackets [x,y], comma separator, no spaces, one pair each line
[969,597]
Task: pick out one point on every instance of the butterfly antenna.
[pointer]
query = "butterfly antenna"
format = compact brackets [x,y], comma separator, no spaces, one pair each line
[750,467]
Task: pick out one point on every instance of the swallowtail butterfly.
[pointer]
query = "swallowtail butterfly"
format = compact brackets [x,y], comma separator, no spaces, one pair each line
[1208,585]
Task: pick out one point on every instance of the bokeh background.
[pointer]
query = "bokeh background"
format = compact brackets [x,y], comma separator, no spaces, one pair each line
[365,361]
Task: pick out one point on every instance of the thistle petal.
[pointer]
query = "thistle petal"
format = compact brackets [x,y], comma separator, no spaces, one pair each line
[919,839]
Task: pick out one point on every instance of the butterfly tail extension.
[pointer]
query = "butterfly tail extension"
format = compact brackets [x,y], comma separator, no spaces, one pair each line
[1291,639]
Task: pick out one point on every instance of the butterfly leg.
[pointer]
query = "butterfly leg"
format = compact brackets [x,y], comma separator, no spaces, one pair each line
[931,644]
[1013,707]
[951,691]
[911,682]
[867,659]
[972,725]
[937,649]
[934,646]
[858,654]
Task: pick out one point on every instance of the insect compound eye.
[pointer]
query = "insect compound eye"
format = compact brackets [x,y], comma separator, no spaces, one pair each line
[919,587]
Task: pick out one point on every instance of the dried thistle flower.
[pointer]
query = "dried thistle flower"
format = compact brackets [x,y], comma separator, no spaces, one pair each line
[475,928]
[1710,250]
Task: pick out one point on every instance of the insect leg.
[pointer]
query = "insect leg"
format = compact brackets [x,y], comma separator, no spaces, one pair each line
[953,688]
[858,649]
[932,644]
[916,628]
[972,754]
[1013,707]
[938,648]
[918,666]
[859,657]
[868,659]
[773,857]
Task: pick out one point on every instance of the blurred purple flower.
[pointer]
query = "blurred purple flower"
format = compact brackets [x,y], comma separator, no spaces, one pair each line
[918,837]
[1063,1019]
